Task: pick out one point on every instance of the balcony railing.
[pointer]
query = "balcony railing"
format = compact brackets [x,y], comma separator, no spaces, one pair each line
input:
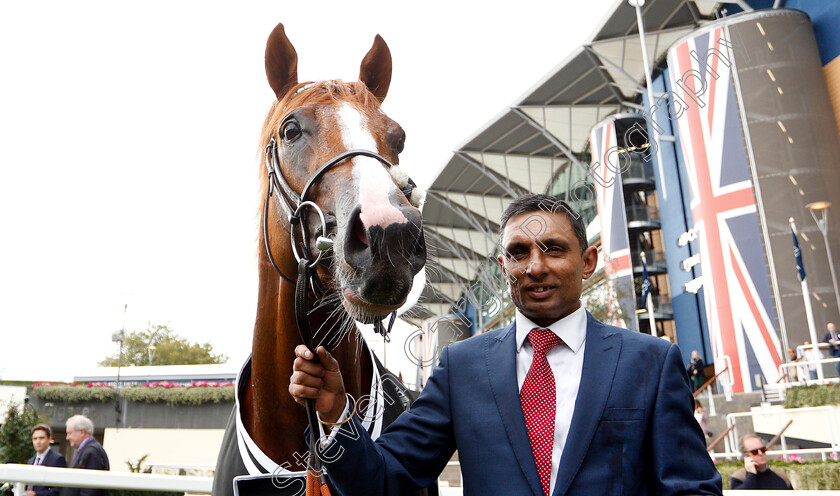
[642,213]
[638,171]
[655,259]
[661,304]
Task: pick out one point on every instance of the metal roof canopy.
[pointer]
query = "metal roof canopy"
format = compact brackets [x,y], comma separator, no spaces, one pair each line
[523,148]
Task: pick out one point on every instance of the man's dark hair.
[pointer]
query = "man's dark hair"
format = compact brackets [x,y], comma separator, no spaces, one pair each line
[548,204]
[42,427]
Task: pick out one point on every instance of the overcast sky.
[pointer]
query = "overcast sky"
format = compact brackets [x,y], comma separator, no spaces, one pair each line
[128,142]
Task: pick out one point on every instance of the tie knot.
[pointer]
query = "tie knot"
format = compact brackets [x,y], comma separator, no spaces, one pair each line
[543,340]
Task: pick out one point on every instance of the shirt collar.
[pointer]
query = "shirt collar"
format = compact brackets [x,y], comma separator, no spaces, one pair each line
[42,455]
[571,329]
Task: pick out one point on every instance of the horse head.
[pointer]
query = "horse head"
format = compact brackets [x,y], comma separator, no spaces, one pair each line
[370,208]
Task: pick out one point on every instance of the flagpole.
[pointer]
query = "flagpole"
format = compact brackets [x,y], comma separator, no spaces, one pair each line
[648,298]
[809,313]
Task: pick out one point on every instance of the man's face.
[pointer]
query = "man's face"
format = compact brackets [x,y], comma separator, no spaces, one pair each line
[831,327]
[543,265]
[40,440]
[753,444]
[75,437]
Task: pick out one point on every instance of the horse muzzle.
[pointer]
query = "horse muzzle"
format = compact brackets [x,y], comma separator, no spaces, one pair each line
[384,257]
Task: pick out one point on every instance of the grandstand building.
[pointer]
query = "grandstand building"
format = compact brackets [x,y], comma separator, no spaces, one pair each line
[735,133]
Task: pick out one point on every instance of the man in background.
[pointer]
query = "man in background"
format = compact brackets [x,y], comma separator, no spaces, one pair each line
[42,436]
[89,454]
[756,474]
[833,341]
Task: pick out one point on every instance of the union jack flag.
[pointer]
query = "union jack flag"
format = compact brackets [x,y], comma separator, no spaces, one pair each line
[615,243]
[737,290]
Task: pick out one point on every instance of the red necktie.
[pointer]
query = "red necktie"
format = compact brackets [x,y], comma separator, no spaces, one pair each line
[539,403]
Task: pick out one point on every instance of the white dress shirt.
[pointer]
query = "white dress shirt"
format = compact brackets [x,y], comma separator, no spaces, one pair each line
[39,457]
[566,362]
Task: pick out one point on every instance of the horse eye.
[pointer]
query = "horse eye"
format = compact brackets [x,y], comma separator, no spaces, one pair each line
[291,131]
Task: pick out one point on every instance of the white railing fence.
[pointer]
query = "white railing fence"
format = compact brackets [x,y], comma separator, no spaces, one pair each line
[24,475]
[782,416]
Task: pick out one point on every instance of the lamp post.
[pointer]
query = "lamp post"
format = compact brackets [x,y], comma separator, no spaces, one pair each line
[821,208]
[119,336]
[151,349]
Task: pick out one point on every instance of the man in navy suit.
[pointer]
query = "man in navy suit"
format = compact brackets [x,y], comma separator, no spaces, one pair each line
[89,454]
[556,403]
[833,339]
[42,436]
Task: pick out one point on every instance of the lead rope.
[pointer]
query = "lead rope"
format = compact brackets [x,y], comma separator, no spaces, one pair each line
[316,482]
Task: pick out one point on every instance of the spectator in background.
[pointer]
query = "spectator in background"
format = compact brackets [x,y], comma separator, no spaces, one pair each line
[702,417]
[756,474]
[695,370]
[833,341]
[42,436]
[812,354]
[793,372]
[89,454]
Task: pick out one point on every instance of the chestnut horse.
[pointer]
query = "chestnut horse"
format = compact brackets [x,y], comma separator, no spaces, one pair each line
[331,165]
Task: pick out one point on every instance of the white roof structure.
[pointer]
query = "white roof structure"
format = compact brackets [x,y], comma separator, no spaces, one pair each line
[154,373]
[540,135]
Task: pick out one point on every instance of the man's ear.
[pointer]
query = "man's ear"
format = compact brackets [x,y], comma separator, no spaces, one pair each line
[590,261]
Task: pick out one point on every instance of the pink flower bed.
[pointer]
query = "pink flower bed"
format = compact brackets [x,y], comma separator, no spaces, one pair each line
[165,384]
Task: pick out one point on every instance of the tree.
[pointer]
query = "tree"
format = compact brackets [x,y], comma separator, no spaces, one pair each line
[15,435]
[605,306]
[169,349]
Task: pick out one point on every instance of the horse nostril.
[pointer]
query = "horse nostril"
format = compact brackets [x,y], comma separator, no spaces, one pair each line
[359,231]
[356,250]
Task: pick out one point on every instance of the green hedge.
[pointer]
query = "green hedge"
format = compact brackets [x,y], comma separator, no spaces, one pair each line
[73,393]
[168,393]
[801,396]
[178,395]
[802,475]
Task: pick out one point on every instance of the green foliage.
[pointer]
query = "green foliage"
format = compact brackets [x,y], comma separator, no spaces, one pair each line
[171,349]
[803,475]
[597,300]
[817,395]
[158,392]
[15,435]
[137,468]
[174,396]
[74,393]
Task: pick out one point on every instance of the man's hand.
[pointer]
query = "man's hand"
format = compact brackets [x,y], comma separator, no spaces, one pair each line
[29,493]
[319,381]
[749,465]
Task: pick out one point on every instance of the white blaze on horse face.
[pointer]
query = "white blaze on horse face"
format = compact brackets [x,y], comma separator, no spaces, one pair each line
[373,180]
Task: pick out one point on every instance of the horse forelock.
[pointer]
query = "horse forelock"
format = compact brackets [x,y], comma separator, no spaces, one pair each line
[332,92]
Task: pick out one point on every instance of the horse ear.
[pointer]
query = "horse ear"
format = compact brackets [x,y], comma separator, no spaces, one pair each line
[375,71]
[280,62]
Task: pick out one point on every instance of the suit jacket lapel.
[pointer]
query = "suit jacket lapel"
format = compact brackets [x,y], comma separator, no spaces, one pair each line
[600,358]
[500,358]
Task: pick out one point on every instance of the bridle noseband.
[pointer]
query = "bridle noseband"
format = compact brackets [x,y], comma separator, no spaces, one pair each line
[295,207]
[294,204]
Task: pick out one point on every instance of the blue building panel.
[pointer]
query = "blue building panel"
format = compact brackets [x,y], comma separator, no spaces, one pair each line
[674,199]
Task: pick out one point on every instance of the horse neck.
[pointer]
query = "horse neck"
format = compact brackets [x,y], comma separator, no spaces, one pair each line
[270,414]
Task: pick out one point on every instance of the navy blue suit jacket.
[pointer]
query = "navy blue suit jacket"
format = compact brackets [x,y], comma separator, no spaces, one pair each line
[92,456]
[52,459]
[633,429]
